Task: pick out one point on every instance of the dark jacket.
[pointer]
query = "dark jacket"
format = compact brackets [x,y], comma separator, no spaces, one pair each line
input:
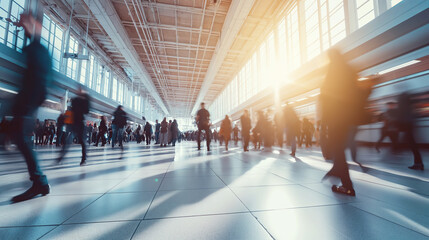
[148,128]
[80,107]
[157,127]
[245,124]
[36,77]
[174,129]
[120,118]
[164,127]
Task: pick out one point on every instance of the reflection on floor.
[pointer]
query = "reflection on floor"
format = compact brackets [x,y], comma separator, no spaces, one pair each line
[181,193]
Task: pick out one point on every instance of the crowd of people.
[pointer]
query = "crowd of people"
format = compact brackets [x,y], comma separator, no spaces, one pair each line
[342,100]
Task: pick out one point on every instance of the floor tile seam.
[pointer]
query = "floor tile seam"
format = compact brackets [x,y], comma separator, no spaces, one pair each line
[324,193]
[195,215]
[104,221]
[30,226]
[263,227]
[301,207]
[276,185]
[387,186]
[388,220]
[150,204]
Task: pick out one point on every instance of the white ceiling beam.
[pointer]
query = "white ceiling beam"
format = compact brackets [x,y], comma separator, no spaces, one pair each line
[237,14]
[106,15]
[172,28]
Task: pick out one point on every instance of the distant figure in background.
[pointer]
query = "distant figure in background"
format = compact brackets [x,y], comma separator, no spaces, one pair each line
[292,127]
[225,130]
[307,130]
[36,78]
[148,132]
[169,132]
[118,124]
[60,130]
[279,127]
[405,121]
[163,135]
[89,130]
[157,129]
[257,131]
[137,134]
[215,135]
[342,104]
[174,132]
[203,122]
[235,131]
[51,132]
[317,133]
[38,130]
[245,129]
[109,133]
[390,128]
[102,129]
[79,107]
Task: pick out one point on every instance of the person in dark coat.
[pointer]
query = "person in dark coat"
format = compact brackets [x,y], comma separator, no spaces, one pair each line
[118,124]
[163,134]
[60,130]
[79,107]
[148,132]
[203,122]
[390,128]
[36,78]
[342,105]
[279,125]
[405,120]
[235,131]
[51,132]
[245,129]
[292,127]
[102,130]
[157,129]
[225,130]
[174,132]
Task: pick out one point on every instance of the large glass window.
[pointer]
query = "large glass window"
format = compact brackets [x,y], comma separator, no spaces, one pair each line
[114,89]
[365,11]
[98,79]
[106,83]
[92,64]
[393,2]
[293,41]
[52,38]
[83,64]
[72,63]
[10,34]
[120,93]
[312,28]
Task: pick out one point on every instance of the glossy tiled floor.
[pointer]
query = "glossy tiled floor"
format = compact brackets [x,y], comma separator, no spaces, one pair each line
[181,193]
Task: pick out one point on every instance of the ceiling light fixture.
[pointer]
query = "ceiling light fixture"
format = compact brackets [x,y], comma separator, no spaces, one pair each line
[301,99]
[399,67]
[363,79]
[8,90]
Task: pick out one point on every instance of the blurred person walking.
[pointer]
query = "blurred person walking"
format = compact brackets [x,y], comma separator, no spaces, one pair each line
[246,125]
[157,129]
[225,130]
[118,124]
[79,107]
[203,122]
[148,132]
[174,132]
[235,131]
[163,135]
[342,103]
[102,130]
[405,121]
[36,78]
[292,127]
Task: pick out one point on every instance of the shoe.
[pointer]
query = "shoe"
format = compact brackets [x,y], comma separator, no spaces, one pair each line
[83,163]
[417,167]
[292,154]
[32,192]
[343,190]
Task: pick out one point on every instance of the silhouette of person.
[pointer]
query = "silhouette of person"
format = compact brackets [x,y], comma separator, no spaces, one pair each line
[225,130]
[203,123]
[32,94]
[342,103]
[79,107]
[246,125]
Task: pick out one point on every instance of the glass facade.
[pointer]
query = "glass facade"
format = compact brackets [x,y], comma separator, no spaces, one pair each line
[307,28]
